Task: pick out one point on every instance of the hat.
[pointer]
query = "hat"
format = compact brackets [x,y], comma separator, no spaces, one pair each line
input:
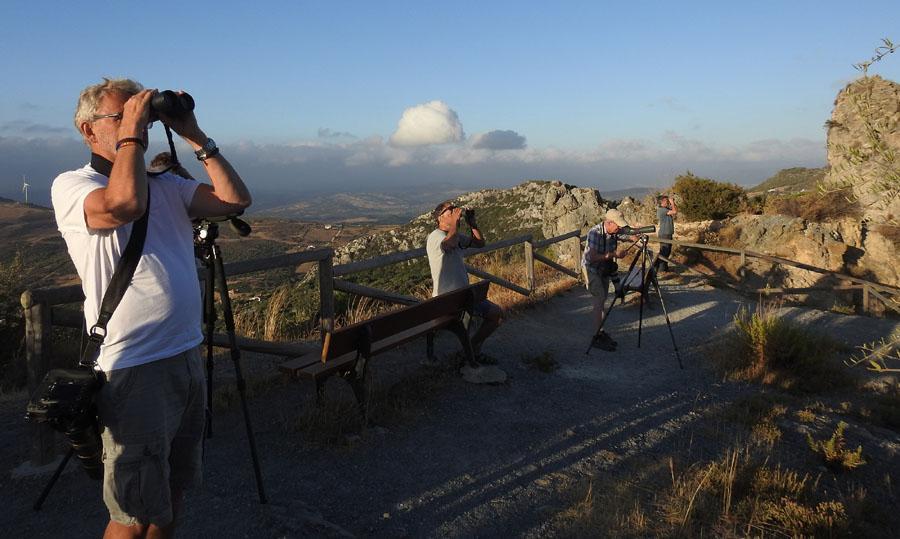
[616,217]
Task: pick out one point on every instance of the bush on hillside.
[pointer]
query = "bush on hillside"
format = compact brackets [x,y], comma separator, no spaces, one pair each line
[12,325]
[813,206]
[702,198]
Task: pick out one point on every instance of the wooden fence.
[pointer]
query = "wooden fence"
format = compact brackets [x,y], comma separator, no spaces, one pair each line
[43,307]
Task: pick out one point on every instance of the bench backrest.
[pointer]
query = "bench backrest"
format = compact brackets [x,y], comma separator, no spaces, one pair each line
[348,339]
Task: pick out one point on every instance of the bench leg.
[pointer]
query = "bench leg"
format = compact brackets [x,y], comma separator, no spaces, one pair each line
[356,377]
[320,391]
[429,346]
[459,329]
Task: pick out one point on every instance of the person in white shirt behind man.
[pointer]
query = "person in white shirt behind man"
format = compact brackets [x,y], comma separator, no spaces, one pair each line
[445,247]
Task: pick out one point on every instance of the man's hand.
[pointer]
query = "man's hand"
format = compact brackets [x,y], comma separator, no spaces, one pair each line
[186,127]
[135,115]
[621,253]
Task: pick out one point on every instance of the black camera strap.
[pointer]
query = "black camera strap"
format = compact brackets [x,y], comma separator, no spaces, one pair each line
[119,283]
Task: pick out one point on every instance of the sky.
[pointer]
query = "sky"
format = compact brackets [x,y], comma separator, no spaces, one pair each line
[307,97]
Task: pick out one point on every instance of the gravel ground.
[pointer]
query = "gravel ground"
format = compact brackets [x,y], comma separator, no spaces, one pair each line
[459,459]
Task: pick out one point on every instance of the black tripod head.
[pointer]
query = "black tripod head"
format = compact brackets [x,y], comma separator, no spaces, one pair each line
[206,229]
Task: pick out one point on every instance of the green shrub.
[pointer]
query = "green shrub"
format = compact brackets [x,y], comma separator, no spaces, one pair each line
[771,349]
[814,206]
[703,198]
[833,450]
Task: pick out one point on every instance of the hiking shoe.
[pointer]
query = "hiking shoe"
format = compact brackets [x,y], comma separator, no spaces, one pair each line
[606,338]
[602,345]
[483,374]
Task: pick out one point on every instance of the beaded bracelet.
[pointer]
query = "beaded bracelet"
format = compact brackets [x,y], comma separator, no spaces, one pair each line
[129,141]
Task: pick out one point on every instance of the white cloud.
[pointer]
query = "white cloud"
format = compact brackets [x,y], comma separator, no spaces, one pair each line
[498,140]
[429,123]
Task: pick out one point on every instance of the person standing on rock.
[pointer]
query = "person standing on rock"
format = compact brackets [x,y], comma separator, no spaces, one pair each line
[448,270]
[599,266]
[665,213]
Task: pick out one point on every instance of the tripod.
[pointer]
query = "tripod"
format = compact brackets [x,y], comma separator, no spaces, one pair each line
[206,250]
[646,277]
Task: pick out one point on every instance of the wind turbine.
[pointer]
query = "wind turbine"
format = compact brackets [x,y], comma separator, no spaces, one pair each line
[25,187]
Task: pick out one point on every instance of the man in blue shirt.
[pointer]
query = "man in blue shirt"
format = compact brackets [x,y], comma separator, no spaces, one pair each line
[598,261]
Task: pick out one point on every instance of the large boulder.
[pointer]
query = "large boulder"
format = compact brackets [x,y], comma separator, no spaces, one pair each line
[864,146]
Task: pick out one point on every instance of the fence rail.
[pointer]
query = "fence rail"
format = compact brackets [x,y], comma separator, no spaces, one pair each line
[42,306]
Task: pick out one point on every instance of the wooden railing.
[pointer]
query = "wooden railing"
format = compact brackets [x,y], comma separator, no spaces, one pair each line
[42,307]
[889,296]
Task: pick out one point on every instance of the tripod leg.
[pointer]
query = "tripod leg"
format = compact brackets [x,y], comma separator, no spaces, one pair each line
[59,470]
[668,323]
[209,315]
[643,290]
[239,377]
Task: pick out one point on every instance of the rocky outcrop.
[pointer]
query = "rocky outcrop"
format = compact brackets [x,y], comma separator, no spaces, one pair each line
[864,146]
[836,246]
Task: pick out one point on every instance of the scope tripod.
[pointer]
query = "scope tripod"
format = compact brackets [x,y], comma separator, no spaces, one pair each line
[647,277]
[207,251]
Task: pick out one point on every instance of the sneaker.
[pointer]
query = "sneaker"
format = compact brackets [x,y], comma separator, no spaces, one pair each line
[598,342]
[483,374]
[606,338]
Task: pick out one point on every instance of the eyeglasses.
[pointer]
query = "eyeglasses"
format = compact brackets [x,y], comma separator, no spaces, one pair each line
[117,116]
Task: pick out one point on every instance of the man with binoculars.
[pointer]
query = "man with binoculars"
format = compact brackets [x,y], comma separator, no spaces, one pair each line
[151,406]
[448,269]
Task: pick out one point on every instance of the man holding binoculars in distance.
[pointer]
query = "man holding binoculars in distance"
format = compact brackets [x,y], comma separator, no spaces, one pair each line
[151,406]
[448,269]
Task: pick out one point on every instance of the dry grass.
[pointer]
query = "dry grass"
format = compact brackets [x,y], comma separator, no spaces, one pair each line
[736,495]
[891,232]
[768,348]
[759,413]
[548,282]
[339,422]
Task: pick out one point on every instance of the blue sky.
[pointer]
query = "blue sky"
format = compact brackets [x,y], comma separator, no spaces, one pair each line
[311,96]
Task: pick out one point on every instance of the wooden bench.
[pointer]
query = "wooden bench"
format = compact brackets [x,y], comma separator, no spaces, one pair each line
[347,351]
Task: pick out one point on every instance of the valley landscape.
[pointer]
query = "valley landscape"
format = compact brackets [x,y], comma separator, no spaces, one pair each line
[753,390]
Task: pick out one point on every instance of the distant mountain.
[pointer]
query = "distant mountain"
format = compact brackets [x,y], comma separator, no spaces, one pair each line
[359,207]
[792,180]
[637,193]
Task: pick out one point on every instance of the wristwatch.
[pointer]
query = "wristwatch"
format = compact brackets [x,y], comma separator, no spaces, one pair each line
[209,149]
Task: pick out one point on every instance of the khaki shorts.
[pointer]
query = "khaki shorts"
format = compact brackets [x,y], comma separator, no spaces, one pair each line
[598,286]
[152,418]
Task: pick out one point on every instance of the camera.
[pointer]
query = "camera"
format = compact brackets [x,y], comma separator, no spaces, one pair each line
[171,104]
[64,401]
[469,214]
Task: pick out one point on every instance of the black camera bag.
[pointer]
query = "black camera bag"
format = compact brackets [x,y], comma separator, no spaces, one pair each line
[64,400]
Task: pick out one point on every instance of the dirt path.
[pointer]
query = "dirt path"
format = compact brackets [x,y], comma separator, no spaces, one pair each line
[450,459]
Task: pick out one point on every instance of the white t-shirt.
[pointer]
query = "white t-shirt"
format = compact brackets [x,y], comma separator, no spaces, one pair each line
[448,270]
[159,315]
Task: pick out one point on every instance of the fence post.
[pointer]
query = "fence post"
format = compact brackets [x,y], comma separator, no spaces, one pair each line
[865,299]
[37,363]
[326,295]
[577,241]
[529,265]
